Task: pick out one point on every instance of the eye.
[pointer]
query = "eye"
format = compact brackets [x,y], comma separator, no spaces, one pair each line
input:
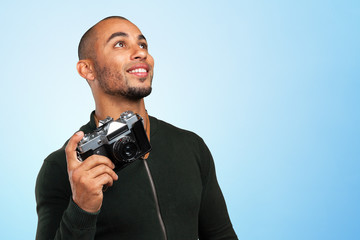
[143,45]
[120,44]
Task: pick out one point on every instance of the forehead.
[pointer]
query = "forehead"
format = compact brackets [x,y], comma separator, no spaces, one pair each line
[108,27]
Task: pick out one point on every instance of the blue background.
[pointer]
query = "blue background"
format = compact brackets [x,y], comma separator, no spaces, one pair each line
[271,86]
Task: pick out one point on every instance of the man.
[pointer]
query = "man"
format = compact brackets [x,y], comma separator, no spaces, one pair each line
[172,193]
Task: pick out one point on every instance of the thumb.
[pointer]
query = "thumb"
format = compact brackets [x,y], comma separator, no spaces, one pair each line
[70,150]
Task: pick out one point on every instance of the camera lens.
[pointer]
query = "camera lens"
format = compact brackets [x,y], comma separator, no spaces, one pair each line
[129,149]
[125,149]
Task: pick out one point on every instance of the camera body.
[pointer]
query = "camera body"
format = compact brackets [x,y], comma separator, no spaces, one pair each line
[123,140]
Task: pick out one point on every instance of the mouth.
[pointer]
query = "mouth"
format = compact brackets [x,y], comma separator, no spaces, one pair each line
[139,70]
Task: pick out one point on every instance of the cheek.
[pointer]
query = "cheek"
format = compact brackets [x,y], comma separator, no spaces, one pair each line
[151,60]
[118,61]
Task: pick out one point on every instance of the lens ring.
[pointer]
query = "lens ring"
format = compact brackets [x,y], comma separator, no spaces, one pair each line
[125,149]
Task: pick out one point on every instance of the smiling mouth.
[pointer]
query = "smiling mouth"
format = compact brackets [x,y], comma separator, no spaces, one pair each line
[139,70]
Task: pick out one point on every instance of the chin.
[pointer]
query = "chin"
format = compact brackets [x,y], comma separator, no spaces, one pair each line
[136,93]
[142,83]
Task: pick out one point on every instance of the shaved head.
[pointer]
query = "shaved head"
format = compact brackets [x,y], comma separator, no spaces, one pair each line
[87,41]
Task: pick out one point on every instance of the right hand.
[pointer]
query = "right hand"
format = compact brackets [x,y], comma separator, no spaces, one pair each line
[87,178]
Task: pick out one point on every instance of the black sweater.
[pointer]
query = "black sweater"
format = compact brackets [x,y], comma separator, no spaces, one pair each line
[184,202]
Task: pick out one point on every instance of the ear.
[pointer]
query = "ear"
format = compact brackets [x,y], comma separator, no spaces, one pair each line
[85,69]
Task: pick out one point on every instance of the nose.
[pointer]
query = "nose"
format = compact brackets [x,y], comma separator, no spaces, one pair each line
[139,54]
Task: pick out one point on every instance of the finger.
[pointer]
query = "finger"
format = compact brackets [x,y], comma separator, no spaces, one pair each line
[104,179]
[101,169]
[95,160]
[70,150]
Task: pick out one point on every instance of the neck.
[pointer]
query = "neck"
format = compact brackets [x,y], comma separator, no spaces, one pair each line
[113,106]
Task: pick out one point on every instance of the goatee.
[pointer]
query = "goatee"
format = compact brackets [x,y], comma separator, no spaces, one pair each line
[134,93]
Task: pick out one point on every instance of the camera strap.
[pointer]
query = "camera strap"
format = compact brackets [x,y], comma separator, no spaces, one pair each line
[147,129]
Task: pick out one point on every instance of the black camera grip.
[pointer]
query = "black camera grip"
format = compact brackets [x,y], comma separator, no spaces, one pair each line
[99,151]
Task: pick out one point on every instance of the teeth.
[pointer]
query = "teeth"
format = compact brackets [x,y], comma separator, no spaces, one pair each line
[138,70]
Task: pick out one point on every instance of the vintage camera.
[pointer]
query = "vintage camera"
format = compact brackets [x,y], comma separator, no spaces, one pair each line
[123,140]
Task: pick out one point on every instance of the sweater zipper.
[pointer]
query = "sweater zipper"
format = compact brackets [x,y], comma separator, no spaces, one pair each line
[156,199]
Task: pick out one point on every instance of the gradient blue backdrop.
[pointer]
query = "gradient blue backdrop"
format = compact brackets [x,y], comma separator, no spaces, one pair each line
[271,86]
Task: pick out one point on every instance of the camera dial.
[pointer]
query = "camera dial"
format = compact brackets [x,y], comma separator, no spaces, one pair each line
[126,115]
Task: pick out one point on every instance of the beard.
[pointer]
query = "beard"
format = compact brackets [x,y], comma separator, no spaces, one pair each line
[117,84]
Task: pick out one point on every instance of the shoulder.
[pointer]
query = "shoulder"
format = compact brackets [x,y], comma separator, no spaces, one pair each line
[57,158]
[52,179]
[160,127]
[179,138]
[54,167]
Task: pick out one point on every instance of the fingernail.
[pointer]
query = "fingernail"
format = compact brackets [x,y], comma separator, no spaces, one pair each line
[78,133]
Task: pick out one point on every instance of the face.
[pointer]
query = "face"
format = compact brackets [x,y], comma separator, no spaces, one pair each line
[123,65]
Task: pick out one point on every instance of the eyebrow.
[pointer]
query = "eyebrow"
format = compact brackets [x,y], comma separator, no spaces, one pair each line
[141,37]
[122,34]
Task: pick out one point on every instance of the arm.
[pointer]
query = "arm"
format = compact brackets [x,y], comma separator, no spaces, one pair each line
[69,211]
[58,216]
[214,221]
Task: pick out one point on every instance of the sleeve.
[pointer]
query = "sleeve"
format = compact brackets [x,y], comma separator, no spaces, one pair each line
[58,216]
[214,221]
